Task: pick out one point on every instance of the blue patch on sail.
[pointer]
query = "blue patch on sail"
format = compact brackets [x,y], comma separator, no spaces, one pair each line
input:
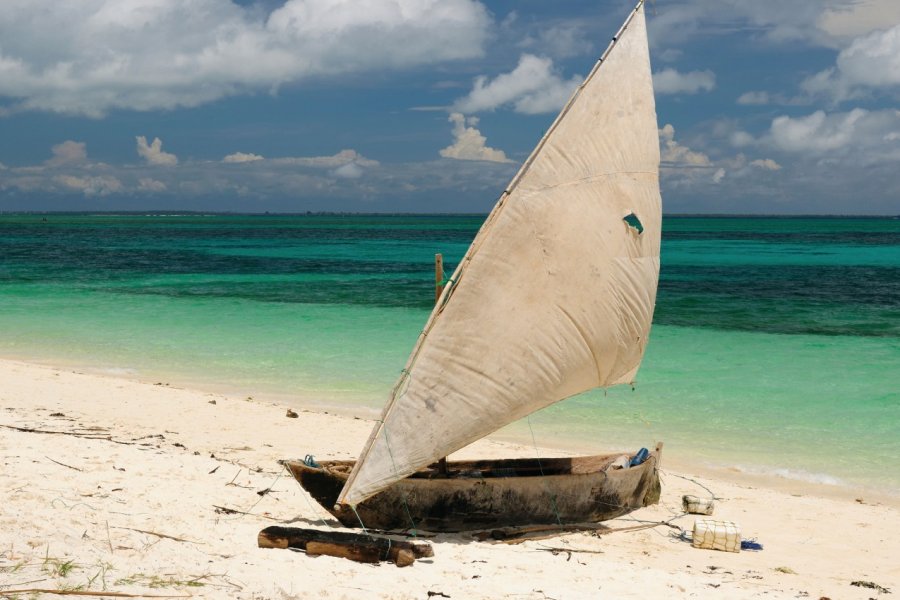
[633,221]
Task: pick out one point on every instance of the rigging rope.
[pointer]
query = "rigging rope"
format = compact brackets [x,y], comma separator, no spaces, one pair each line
[387,442]
[541,468]
[305,494]
[361,524]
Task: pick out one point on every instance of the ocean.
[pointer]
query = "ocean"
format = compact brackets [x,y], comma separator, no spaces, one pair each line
[775,347]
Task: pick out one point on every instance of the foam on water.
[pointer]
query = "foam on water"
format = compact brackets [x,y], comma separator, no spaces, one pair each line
[795,475]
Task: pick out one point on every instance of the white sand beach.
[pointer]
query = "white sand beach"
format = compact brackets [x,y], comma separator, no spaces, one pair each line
[113,486]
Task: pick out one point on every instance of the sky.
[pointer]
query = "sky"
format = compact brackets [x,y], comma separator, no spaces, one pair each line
[769,106]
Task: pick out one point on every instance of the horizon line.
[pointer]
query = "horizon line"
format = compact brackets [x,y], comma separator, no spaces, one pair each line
[412,214]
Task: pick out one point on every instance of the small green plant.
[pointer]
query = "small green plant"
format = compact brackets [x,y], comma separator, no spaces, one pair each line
[14,568]
[56,567]
[101,573]
[155,581]
[64,568]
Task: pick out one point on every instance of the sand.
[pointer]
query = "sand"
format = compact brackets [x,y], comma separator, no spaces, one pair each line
[128,497]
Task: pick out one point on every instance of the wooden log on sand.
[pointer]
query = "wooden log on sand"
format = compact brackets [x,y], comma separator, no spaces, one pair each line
[360,547]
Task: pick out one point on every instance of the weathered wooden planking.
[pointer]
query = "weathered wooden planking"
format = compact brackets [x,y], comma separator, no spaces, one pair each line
[359,553]
[491,494]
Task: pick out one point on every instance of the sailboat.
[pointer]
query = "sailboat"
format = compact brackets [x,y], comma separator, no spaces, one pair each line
[554,297]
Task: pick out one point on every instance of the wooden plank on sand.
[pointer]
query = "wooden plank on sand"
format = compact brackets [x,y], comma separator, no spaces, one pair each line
[354,546]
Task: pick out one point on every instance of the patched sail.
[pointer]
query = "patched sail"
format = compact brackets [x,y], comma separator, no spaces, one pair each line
[556,294]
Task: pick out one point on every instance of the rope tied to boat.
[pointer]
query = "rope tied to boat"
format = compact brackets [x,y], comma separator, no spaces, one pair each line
[305,494]
[387,442]
[541,468]
[359,518]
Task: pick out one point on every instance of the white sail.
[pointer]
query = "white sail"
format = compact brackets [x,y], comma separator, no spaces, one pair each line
[556,294]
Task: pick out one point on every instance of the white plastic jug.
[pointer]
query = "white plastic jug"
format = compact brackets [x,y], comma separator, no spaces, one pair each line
[717,535]
[698,506]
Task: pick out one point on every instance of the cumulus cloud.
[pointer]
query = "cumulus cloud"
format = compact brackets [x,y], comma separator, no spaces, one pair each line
[670,81]
[816,132]
[102,185]
[773,20]
[766,164]
[533,87]
[349,171]
[241,157]
[741,139]
[148,184]
[761,98]
[469,143]
[89,58]
[342,158]
[852,19]
[754,98]
[560,40]
[829,23]
[865,136]
[153,153]
[68,152]
[341,173]
[684,168]
[328,185]
[819,162]
[347,164]
[674,154]
[871,62]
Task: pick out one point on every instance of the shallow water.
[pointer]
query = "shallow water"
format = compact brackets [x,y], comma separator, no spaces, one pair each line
[775,347]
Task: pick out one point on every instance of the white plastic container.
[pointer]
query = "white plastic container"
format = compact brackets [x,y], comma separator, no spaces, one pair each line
[716,535]
[698,506]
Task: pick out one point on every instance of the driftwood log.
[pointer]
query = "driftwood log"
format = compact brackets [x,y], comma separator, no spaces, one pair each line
[360,547]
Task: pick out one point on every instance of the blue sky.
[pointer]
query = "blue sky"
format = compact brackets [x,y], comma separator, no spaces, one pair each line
[430,105]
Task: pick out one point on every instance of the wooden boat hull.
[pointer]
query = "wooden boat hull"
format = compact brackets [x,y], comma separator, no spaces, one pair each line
[492,493]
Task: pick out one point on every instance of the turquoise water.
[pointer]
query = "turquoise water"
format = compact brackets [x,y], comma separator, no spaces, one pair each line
[775,348]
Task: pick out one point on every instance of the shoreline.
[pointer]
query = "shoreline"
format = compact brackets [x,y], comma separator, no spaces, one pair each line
[780,479]
[111,484]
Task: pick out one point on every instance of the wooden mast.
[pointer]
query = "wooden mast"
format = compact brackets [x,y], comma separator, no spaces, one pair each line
[438,276]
